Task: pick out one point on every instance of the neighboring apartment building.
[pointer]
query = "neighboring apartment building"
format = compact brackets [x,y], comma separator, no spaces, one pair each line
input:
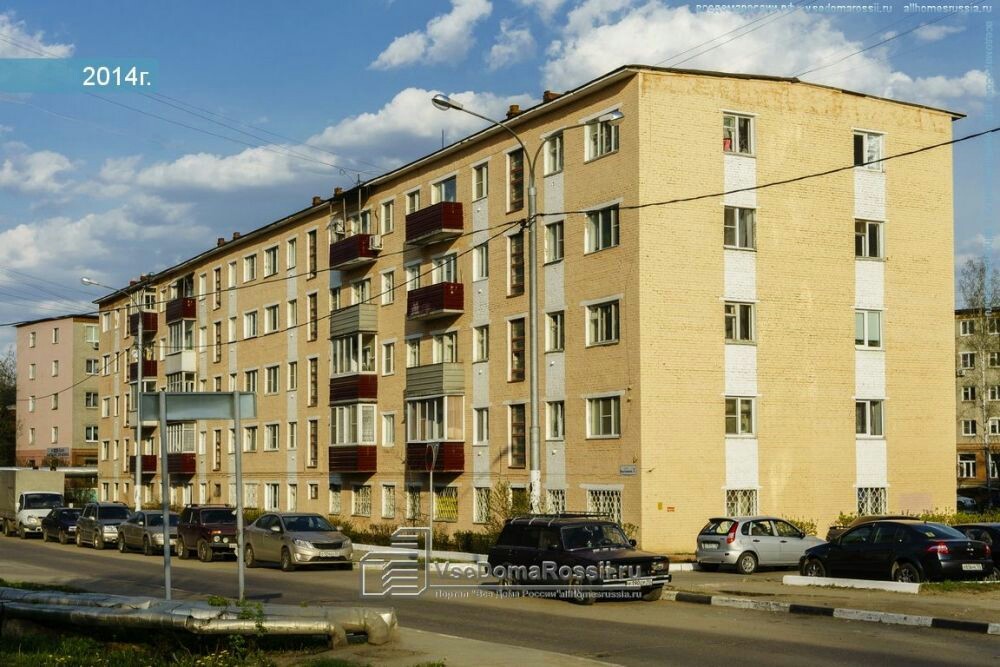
[977,385]
[696,357]
[57,369]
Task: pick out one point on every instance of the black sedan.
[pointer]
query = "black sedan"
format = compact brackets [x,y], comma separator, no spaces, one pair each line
[908,551]
[988,533]
[60,524]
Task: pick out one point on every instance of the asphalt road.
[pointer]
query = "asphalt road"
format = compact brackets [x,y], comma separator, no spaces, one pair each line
[631,633]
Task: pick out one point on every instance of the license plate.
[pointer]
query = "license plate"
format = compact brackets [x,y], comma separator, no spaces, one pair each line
[972,566]
[327,554]
[645,581]
[709,545]
[72,529]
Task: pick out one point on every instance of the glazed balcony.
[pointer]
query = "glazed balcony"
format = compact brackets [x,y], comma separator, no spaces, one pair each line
[183,308]
[353,458]
[148,370]
[450,457]
[445,379]
[434,301]
[361,317]
[435,223]
[355,251]
[181,361]
[149,323]
[353,388]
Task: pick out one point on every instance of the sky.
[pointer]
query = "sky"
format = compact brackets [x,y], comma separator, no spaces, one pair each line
[258,106]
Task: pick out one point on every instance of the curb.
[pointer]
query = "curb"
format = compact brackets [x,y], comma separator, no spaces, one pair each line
[978,627]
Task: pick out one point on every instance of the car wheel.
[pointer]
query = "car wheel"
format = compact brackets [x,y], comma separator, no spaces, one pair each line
[79,540]
[708,567]
[248,557]
[994,575]
[98,542]
[147,547]
[652,594]
[287,565]
[22,533]
[182,549]
[747,563]
[813,568]
[63,538]
[579,595]
[6,528]
[204,552]
[905,573]
[121,544]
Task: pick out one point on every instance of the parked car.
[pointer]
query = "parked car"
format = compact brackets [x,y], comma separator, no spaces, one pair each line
[208,529]
[903,550]
[294,540]
[98,524]
[965,504]
[60,524]
[749,542]
[836,531]
[584,543]
[982,495]
[144,530]
[988,533]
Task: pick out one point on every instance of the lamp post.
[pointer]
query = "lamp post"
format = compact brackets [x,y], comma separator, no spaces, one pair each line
[137,491]
[445,103]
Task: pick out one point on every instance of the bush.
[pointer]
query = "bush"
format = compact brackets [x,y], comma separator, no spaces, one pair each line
[807,526]
[947,517]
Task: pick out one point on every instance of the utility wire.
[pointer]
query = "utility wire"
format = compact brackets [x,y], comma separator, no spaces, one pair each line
[76,384]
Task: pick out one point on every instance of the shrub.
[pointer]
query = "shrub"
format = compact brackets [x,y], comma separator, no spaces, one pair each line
[807,526]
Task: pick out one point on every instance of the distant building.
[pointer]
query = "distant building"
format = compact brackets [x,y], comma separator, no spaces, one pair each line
[977,386]
[58,365]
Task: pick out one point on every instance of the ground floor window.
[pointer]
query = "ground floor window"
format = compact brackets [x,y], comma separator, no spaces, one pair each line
[361,500]
[606,502]
[481,504]
[335,499]
[871,500]
[388,501]
[741,502]
[966,465]
[413,502]
[446,504]
[555,501]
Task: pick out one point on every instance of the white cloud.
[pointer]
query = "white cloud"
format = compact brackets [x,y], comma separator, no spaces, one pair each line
[513,44]
[5,129]
[937,32]
[27,44]
[546,8]
[446,38]
[33,173]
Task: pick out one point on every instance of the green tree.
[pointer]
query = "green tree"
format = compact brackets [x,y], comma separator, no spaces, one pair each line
[8,408]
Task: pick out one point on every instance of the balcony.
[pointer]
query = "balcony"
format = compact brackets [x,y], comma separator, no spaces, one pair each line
[436,223]
[450,458]
[148,370]
[353,458]
[434,301]
[149,323]
[435,380]
[354,251]
[178,463]
[148,464]
[182,361]
[358,318]
[353,388]
[183,308]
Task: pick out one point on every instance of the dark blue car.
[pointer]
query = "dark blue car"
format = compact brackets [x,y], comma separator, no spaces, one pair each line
[990,534]
[60,524]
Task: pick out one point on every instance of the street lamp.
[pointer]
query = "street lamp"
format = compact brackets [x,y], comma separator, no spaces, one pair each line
[445,103]
[137,495]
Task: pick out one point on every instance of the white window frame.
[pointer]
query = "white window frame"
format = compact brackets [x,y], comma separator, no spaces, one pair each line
[389,358]
[864,239]
[412,199]
[481,343]
[864,318]
[742,221]
[554,154]
[743,317]
[272,437]
[555,420]
[870,163]
[600,138]
[740,429]
[967,360]
[481,261]
[555,331]
[388,501]
[480,426]
[270,261]
[437,188]
[869,430]
[388,429]
[250,268]
[555,241]
[969,392]
[969,428]
[593,236]
[738,133]
[480,180]
[597,400]
[387,213]
[388,292]
[594,322]
[967,466]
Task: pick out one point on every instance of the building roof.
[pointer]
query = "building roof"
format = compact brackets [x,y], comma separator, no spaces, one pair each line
[90,317]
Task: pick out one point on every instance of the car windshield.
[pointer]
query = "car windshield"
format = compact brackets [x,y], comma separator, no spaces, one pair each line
[42,501]
[218,516]
[71,514]
[157,519]
[113,513]
[939,531]
[593,536]
[717,527]
[306,523]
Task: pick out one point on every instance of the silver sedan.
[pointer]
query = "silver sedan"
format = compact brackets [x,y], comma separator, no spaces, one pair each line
[144,530]
[294,540]
[751,541]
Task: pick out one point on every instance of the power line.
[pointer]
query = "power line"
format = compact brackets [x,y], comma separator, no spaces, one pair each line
[77,383]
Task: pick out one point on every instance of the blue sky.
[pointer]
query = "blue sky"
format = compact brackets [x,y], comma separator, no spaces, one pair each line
[91,188]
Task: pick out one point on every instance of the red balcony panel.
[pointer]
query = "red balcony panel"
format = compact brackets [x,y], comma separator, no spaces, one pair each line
[354,251]
[181,463]
[439,300]
[353,458]
[148,464]
[148,370]
[450,458]
[149,323]
[184,308]
[437,222]
[353,388]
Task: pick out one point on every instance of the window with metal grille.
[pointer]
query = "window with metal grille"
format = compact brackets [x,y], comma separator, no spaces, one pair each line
[741,502]
[446,503]
[361,500]
[481,504]
[871,500]
[518,433]
[605,502]
[555,501]
[413,502]
[388,501]
[335,506]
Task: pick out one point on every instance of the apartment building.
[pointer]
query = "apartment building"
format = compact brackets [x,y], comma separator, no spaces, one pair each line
[977,387]
[57,368]
[696,357]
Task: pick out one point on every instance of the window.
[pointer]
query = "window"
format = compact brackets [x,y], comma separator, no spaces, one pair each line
[968,360]
[31,371]
[388,501]
[55,368]
[217,342]
[967,465]
[312,436]
[739,416]
[446,503]
[412,272]
[90,433]
[291,253]
[445,348]
[412,353]
[272,435]
[31,404]
[739,322]
[602,138]
[993,359]
[481,425]
[90,334]
[969,428]
[554,241]
[556,420]
[481,261]
[555,501]
[737,134]
[741,502]
[293,376]
[353,354]
[311,253]
[602,323]
[361,500]
[388,287]
[604,417]
[250,439]
[605,502]
[967,327]
[361,290]
[480,181]
[481,343]
[388,429]
[868,150]
[445,269]
[871,501]
[55,335]
[554,154]
[602,229]
[446,190]
[32,337]
[412,201]
[481,504]
[312,304]
[90,399]
[868,418]
[270,261]
[435,419]
[994,393]
[313,394]
[388,224]
[271,382]
[388,358]
[412,502]
[868,328]
[555,335]
[352,424]
[518,349]
[249,268]
[92,366]
[271,497]
[54,433]
[867,238]
[271,319]
[740,228]
[515,182]
[54,401]
[250,381]
[969,393]
[515,254]
[250,324]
